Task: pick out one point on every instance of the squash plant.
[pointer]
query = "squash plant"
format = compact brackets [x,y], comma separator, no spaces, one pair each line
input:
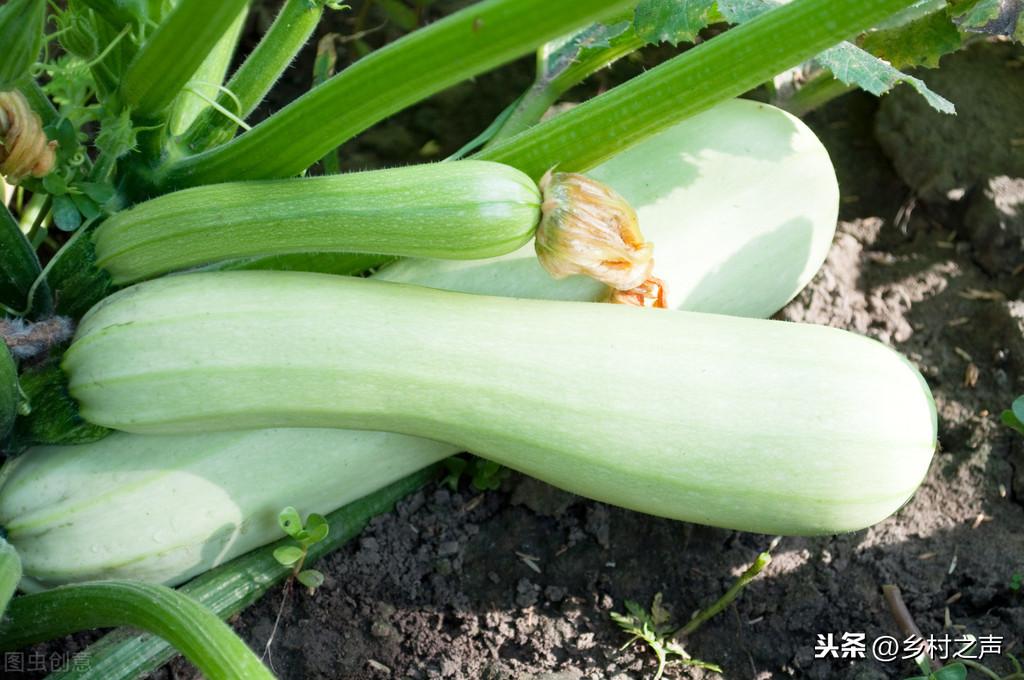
[124,142]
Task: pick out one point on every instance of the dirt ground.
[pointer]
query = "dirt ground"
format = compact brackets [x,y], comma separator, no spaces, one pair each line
[519,583]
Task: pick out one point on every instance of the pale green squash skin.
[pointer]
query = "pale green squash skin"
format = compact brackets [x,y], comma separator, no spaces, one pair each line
[754,425]
[461,210]
[740,202]
[165,508]
[59,546]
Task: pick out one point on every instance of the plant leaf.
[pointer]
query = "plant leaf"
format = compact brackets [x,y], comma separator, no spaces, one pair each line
[956,671]
[918,43]
[65,213]
[994,17]
[317,528]
[311,578]
[672,21]
[290,521]
[854,66]
[1018,408]
[288,554]
[558,55]
[848,63]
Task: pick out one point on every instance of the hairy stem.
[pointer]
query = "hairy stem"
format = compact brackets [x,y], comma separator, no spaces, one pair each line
[469,42]
[173,53]
[762,561]
[254,78]
[719,69]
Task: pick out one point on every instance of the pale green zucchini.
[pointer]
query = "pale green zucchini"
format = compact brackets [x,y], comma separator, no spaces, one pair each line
[754,425]
[459,210]
[165,508]
[740,202]
[10,573]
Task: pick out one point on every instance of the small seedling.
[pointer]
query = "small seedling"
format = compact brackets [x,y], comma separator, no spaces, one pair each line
[656,630]
[484,475]
[1014,416]
[294,556]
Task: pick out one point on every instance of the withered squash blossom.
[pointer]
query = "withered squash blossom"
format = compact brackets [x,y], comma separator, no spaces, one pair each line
[24,148]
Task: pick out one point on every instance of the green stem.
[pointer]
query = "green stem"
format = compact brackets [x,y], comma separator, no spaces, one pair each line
[822,88]
[192,628]
[118,14]
[719,69]
[548,88]
[228,589]
[205,83]
[469,42]
[173,53]
[762,561]
[254,78]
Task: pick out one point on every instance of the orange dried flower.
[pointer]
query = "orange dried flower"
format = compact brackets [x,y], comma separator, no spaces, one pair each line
[24,147]
[587,228]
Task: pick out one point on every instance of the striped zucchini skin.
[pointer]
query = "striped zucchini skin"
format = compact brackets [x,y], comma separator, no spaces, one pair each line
[754,425]
[163,509]
[458,210]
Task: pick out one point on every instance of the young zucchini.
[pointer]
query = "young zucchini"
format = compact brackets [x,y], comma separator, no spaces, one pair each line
[459,210]
[165,508]
[755,425]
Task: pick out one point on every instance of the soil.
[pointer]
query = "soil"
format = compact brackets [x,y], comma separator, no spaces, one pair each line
[519,583]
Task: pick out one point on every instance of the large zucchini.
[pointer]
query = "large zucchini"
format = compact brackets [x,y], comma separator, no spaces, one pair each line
[755,425]
[165,508]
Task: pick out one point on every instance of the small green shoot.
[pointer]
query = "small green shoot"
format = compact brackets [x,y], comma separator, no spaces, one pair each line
[655,629]
[1013,417]
[484,475]
[1016,581]
[294,556]
[956,671]
[661,636]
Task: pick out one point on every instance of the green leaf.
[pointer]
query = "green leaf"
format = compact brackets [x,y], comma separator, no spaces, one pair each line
[994,17]
[956,671]
[1018,408]
[854,66]
[918,43]
[55,184]
[288,555]
[65,213]
[86,206]
[290,521]
[117,135]
[848,63]
[558,55]
[316,526]
[97,191]
[311,578]
[672,21]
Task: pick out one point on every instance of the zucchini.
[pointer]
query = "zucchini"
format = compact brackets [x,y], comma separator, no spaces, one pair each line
[740,203]
[459,210]
[754,425]
[165,508]
[10,574]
